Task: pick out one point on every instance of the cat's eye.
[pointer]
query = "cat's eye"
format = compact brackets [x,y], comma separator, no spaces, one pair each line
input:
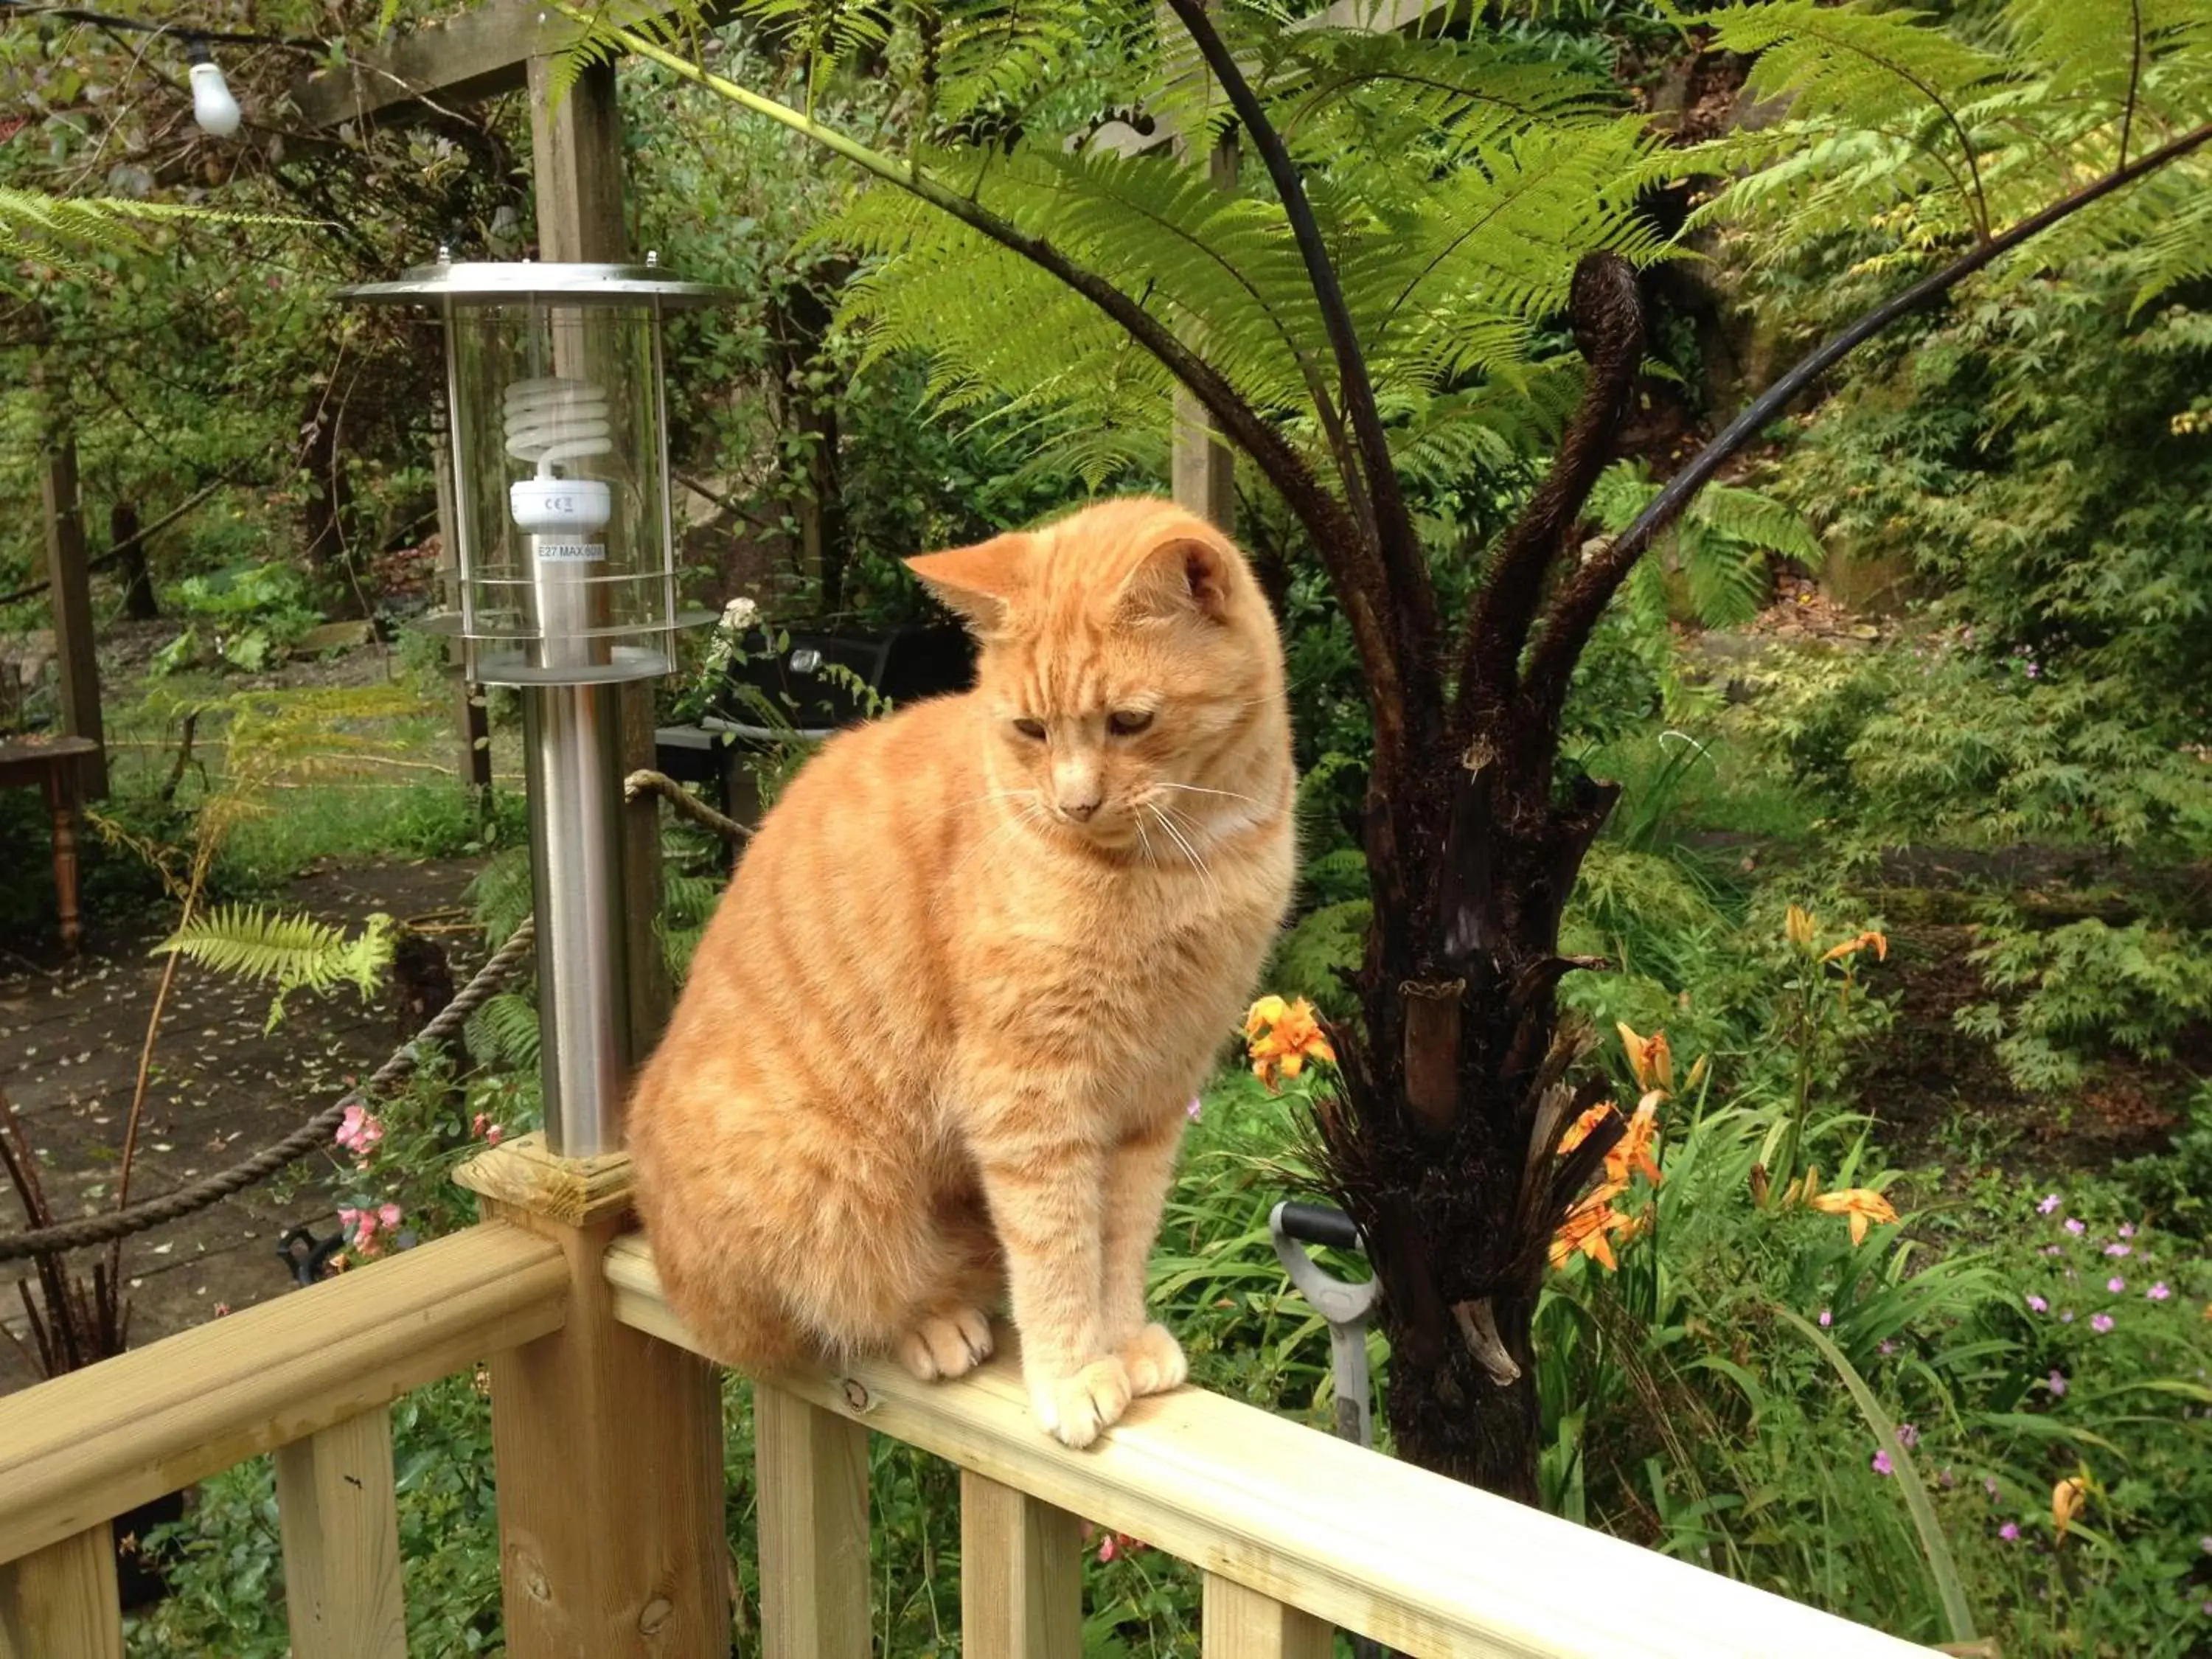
[1128,722]
[1033,730]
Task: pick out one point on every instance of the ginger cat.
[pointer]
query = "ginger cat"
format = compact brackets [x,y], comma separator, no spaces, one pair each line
[939,1039]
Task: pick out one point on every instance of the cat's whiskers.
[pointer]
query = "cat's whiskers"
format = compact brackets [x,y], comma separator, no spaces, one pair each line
[1197,862]
[1198,789]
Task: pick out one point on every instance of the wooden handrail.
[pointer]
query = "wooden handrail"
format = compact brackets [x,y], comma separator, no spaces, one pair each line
[1314,1524]
[85,1447]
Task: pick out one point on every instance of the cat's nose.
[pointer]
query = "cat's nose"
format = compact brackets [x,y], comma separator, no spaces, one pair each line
[1080,810]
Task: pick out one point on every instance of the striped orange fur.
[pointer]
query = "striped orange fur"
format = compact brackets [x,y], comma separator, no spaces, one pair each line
[938,1042]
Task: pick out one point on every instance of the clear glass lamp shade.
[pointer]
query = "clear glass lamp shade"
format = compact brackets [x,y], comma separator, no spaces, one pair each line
[565,548]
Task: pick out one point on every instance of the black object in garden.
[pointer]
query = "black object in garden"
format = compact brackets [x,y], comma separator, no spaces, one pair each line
[812,685]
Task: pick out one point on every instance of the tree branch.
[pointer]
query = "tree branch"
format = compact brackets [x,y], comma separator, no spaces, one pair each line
[1409,591]
[1351,561]
[1575,612]
[1608,313]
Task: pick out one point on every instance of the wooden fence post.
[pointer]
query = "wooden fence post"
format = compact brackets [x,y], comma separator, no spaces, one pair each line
[62,1600]
[76,651]
[813,1479]
[340,1518]
[1021,1575]
[1243,1624]
[608,1444]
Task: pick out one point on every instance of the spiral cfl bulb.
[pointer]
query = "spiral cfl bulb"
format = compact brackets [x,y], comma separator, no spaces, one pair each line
[549,422]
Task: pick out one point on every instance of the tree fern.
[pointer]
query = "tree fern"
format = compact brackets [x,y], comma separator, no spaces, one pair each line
[294,952]
[1904,135]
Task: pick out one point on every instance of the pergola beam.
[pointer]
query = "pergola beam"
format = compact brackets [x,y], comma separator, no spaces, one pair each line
[485,51]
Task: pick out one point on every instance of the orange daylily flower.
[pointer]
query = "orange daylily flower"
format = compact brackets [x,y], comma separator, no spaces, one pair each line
[2067,1499]
[1851,947]
[1579,1130]
[1862,1204]
[1281,1037]
[1650,1058]
[1633,1150]
[1586,1229]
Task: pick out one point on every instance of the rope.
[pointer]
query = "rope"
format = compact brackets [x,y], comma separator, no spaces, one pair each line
[686,804]
[314,1132]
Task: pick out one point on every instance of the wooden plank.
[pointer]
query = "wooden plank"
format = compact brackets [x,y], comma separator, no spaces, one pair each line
[61,1601]
[341,1523]
[481,53]
[609,1454]
[813,1478]
[1021,1575]
[340,1520]
[1243,1624]
[577,1192]
[1434,1569]
[576,147]
[69,582]
[84,1447]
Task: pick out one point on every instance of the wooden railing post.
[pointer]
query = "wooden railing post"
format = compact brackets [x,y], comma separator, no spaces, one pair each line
[608,1445]
[813,1476]
[341,1523]
[61,1600]
[1243,1624]
[1021,1575]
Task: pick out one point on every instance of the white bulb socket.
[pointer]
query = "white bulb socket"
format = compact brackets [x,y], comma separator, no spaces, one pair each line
[213,107]
[574,508]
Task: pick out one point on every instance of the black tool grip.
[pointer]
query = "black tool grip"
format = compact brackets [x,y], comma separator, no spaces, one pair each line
[1320,1223]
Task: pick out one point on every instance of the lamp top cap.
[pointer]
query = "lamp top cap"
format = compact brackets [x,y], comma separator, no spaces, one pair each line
[520,282]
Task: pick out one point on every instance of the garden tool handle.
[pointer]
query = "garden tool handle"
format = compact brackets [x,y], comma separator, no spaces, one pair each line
[1317,1223]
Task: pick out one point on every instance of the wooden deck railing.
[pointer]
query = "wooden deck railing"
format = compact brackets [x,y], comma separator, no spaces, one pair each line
[607,1438]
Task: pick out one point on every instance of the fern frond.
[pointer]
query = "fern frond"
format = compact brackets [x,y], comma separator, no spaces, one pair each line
[293,953]
[505,1033]
[68,232]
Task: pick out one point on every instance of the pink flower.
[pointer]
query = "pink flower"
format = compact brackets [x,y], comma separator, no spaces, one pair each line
[2116,1284]
[484,1129]
[2100,1323]
[2036,1304]
[2119,1249]
[2127,1229]
[359,1131]
[2066,1318]
[1826,1319]
[1881,1464]
[1990,1485]
[389,1215]
[2075,1226]
[2050,1202]
[492,1136]
[2009,1532]
[2054,1250]
[1106,1551]
[2159,1292]
[1191,1111]
[221,1308]
[2057,1385]
[1907,1436]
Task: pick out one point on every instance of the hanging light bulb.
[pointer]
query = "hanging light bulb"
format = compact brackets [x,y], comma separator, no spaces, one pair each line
[213,107]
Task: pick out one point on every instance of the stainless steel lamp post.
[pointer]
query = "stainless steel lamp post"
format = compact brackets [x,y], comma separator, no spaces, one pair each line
[566,589]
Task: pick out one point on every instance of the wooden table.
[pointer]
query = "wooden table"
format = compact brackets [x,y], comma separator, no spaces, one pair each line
[55,764]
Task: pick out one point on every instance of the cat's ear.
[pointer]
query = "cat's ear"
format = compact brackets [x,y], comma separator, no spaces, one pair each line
[1184,576]
[980,582]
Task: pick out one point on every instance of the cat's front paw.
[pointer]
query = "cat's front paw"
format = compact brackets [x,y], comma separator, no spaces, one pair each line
[1075,1410]
[1154,1361]
[946,1346]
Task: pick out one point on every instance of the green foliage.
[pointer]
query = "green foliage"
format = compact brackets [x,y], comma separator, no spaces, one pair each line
[2087,988]
[254,614]
[1907,133]
[295,952]
[62,233]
